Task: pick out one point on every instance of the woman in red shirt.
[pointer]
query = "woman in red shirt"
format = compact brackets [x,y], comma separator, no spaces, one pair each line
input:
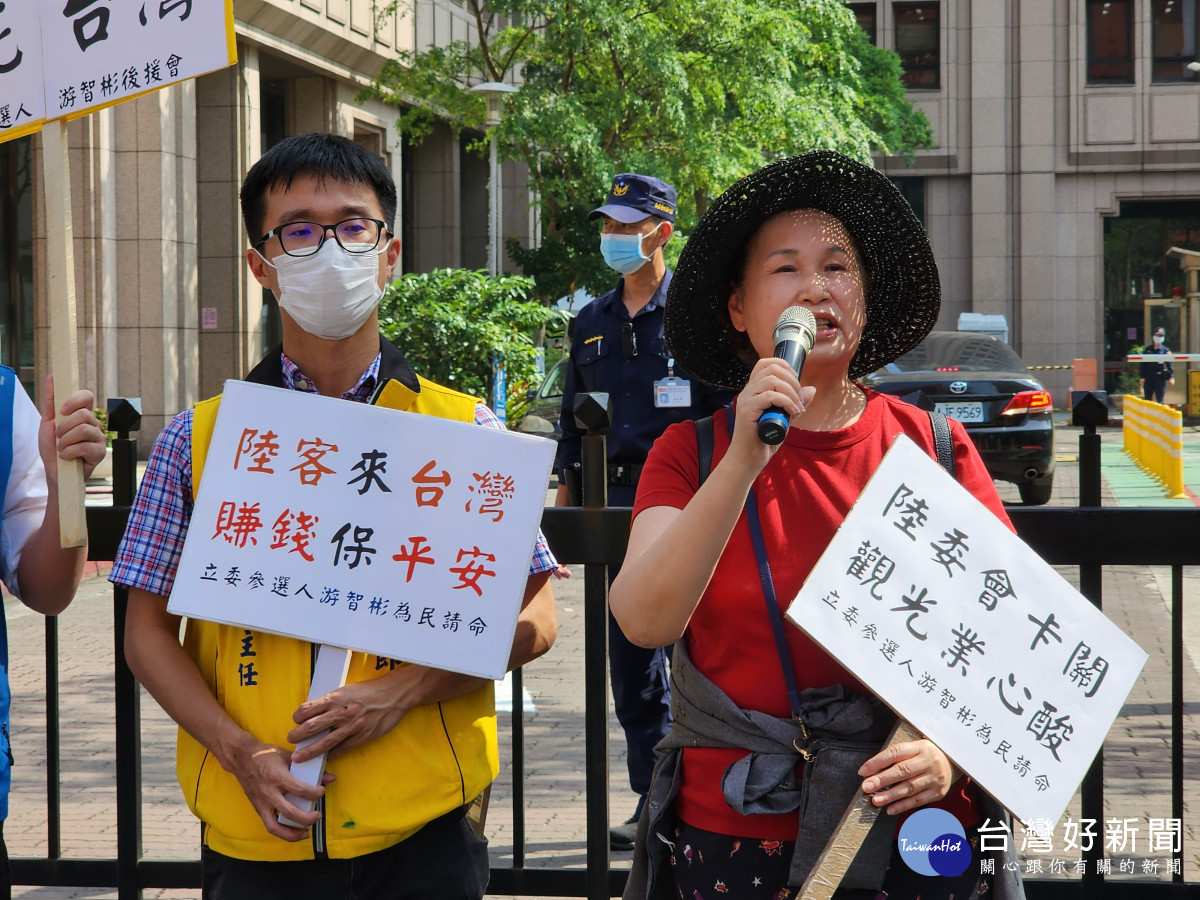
[731,810]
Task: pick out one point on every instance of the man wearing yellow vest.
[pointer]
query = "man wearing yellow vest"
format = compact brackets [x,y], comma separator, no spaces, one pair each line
[409,746]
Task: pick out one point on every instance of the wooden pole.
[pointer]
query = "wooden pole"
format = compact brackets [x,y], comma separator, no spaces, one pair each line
[60,283]
[849,835]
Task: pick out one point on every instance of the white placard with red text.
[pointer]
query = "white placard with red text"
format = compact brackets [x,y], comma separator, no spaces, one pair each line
[397,534]
[930,601]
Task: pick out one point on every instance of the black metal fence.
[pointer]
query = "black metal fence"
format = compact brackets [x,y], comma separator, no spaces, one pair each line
[1088,536]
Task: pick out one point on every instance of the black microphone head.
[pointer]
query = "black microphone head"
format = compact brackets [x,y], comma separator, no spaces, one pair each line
[796,323]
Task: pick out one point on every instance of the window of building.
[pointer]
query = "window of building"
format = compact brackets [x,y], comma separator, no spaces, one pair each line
[405,213]
[913,190]
[16,258]
[918,43]
[865,13]
[1176,27]
[1110,42]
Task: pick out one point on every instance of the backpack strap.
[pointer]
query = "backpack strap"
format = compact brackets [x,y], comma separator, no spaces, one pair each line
[942,444]
[704,446]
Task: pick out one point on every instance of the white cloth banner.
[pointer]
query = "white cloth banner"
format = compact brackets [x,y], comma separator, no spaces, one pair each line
[402,535]
[933,604]
[63,58]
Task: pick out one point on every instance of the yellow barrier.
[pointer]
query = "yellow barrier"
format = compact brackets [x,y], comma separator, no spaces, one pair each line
[1153,436]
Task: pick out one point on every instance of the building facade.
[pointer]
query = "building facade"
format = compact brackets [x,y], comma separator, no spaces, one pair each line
[1066,163]
[166,307]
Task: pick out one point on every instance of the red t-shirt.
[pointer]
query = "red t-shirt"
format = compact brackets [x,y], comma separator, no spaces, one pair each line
[803,495]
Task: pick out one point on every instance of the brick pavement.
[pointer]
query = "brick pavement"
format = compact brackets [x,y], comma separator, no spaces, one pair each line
[1137,764]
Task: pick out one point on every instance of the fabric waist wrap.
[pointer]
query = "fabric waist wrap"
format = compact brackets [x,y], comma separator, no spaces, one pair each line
[841,731]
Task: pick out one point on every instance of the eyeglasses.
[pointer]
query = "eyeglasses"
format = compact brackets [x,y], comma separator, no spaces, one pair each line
[306,238]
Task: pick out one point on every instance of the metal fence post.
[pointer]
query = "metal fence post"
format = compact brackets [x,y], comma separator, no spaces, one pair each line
[1090,409]
[593,414]
[124,416]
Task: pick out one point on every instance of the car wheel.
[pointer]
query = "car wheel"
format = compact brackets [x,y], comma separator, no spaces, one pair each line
[1036,493]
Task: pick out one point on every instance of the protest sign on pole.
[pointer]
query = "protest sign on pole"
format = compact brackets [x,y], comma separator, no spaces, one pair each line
[396,534]
[951,620]
[103,52]
[356,526]
[965,632]
[22,89]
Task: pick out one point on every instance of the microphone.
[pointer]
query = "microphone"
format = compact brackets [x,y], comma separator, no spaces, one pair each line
[795,334]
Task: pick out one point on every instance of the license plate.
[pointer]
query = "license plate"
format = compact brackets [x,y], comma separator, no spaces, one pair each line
[964,412]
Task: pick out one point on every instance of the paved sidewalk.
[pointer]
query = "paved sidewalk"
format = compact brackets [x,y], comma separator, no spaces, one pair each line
[1137,760]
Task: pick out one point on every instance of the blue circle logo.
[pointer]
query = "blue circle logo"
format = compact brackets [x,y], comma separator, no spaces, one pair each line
[932,842]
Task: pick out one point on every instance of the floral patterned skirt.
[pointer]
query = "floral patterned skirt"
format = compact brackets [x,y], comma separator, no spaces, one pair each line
[708,866]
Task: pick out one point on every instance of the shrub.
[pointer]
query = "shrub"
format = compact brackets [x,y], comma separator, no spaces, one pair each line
[452,323]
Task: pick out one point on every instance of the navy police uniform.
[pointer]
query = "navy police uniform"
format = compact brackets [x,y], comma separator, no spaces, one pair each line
[1156,374]
[627,358]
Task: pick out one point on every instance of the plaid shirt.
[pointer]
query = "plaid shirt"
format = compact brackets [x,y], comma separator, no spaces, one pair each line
[149,553]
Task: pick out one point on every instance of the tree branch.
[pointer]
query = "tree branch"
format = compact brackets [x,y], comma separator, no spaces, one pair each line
[616,63]
[482,30]
[516,48]
[649,10]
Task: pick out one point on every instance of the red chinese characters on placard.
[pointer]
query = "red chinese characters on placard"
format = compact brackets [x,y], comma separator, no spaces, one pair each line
[260,449]
[295,532]
[494,488]
[428,493]
[311,468]
[469,574]
[237,524]
[414,555]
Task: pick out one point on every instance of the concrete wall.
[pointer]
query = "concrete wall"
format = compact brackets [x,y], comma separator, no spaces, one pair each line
[1029,159]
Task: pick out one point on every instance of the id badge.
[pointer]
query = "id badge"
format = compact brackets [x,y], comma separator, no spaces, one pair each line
[672,392]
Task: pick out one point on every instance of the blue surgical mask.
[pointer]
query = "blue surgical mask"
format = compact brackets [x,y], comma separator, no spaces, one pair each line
[623,252]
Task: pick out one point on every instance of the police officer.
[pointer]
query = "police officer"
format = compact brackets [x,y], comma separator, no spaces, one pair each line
[1155,376]
[618,348]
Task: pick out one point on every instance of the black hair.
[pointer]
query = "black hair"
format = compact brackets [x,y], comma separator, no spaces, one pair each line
[322,156]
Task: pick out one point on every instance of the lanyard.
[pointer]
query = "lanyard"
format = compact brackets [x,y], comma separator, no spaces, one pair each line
[768,586]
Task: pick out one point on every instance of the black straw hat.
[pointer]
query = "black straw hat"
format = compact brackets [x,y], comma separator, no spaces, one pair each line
[903,290]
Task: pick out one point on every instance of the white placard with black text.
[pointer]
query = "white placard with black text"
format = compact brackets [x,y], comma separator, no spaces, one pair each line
[62,58]
[930,601]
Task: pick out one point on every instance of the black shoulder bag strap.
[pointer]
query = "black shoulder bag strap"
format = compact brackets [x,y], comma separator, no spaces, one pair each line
[942,444]
[704,445]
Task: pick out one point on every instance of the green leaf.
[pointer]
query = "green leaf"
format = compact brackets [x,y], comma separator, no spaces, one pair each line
[451,323]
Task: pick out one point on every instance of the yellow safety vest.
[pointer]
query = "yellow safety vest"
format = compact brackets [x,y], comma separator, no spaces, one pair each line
[440,756]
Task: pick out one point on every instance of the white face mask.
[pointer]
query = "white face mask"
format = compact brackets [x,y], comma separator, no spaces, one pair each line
[331,293]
